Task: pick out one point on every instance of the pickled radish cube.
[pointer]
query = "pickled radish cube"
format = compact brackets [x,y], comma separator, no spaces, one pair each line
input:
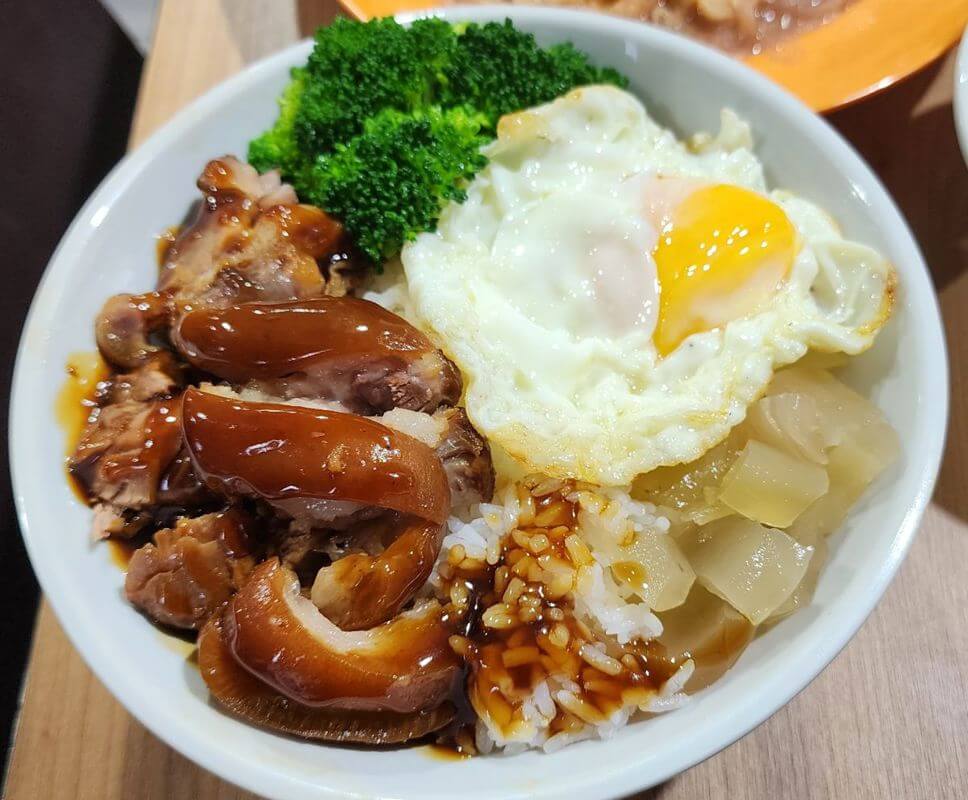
[803,594]
[790,422]
[770,486]
[753,568]
[708,630]
[656,570]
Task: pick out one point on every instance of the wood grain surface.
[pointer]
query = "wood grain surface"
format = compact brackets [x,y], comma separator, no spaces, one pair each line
[887,719]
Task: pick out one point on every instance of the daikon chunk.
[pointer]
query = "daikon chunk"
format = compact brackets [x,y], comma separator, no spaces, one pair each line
[682,488]
[770,486]
[842,410]
[824,516]
[653,567]
[754,568]
[803,594]
[864,453]
[708,630]
[790,422]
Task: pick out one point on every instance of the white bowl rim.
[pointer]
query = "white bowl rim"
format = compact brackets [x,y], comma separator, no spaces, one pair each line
[91,641]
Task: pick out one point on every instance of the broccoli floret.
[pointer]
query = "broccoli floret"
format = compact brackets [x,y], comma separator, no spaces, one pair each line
[499,69]
[277,147]
[383,125]
[391,181]
[357,69]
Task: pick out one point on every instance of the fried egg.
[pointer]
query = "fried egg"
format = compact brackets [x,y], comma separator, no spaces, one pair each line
[616,299]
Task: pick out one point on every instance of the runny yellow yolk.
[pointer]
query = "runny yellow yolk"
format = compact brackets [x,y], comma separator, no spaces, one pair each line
[720,256]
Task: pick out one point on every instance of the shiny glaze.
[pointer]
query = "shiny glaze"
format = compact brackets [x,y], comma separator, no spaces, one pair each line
[164,241]
[250,240]
[121,552]
[279,452]
[360,591]
[125,324]
[159,439]
[271,340]
[404,665]
[310,229]
[76,401]
[190,570]
[251,699]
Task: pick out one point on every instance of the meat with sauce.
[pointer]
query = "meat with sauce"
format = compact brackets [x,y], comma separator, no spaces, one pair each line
[295,535]
[130,460]
[250,240]
[188,572]
[121,459]
[341,349]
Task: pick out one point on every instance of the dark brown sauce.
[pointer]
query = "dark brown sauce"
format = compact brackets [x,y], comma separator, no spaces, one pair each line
[309,228]
[529,631]
[163,243]
[446,752]
[121,551]
[75,400]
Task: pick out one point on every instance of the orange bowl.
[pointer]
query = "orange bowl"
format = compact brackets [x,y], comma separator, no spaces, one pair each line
[870,46]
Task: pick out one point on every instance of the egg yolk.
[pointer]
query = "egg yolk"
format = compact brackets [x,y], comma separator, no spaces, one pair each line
[720,255]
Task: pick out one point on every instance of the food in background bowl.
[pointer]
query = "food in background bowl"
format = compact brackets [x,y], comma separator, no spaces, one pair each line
[634,479]
[737,26]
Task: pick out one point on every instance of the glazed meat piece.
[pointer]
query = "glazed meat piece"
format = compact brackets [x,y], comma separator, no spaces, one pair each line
[122,457]
[464,453]
[243,694]
[131,474]
[190,570]
[332,348]
[404,665]
[273,659]
[250,240]
[159,378]
[360,591]
[127,326]
[378,554]
[466,459]
[180,489]
[305,549]
[297,458]
[302,460]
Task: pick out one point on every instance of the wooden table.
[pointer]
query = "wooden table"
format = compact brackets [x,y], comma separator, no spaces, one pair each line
[889,717]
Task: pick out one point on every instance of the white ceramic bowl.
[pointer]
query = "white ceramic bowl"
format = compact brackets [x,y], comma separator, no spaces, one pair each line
[110,248]
[961,95]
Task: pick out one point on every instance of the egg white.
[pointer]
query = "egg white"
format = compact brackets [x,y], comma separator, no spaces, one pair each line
[538,288]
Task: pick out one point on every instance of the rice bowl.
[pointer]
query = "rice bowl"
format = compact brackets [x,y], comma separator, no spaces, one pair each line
[919,349]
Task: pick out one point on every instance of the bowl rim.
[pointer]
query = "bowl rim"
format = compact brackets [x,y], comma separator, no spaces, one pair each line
[93,643]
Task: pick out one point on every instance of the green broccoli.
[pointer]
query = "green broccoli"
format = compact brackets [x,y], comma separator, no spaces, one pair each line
[383,125]
[391,181]
[499,69]
[357,69]
[277,147]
